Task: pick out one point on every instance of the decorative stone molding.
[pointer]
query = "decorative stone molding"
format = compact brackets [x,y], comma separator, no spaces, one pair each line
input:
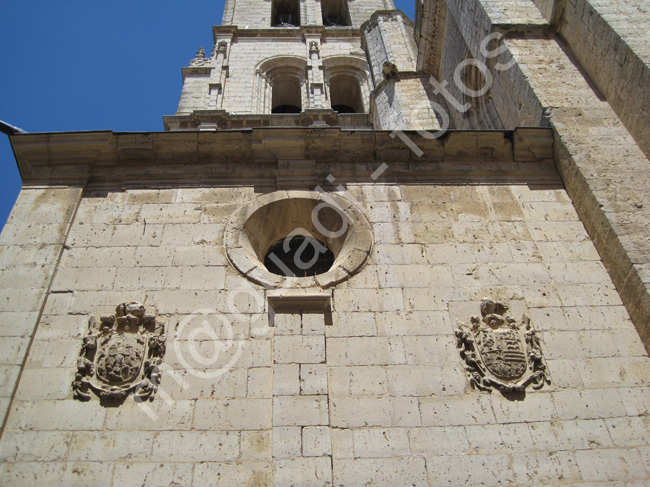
[501,353]
[199,58]
[222,46]
[391,72]
[330,218]
[120,355]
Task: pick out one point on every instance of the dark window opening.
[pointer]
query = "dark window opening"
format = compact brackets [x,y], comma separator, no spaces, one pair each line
[345,94]
[306,256]
[335,13]
[286,95]
[343,109]
[286,13]
[286,109]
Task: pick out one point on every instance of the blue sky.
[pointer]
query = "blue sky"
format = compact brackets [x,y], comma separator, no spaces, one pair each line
[79,65]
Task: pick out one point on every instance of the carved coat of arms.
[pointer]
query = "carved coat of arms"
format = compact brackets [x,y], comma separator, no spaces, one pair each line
[120,355]
[500,352]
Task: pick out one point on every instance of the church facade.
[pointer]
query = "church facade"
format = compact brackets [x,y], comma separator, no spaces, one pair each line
[364,251]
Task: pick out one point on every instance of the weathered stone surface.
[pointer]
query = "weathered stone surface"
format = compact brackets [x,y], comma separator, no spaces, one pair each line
[355,378]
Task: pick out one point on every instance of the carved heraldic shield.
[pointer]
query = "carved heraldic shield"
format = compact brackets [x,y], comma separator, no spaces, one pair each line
[120,355]
[501,353]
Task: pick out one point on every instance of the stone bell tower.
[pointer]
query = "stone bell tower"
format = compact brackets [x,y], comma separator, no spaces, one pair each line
[317,62]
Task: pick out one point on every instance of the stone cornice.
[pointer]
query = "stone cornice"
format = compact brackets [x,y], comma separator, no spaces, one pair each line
[285,32]
[263,156]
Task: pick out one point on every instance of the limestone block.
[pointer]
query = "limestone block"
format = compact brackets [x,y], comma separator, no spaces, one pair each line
[308,472]
[299,349]
[17,324]
[313,324]
[425,380]
[260,382]
[609,465]
[71,416]
[381,442]
[384,472]
[588,404]
[256,445]
[98,257]
[286,379]
[539,407]
[501,438]
[316,441]
[21,300]
[8,376]
[74,474]
[365,351]
[414,323]
[196,446]
[635,399]
[569,435]
[352,412]
[40,384]
[208,325]
[357,381]
[187,234]
[566,374]
[287,442]
[288,324]
[351,324]
[628,431]
[152,256]
[198,255]
[203,278]
[32,234]
[154,416]
[12,350]
[313,379]
[342,443]
[300,411]
[368,300]
[456,410]
[232,414]
[110,446]
[227,474]
[135,474]
[147,278]
[192,384]
[219,355]
[423,350]
[490,470]
[150,196]
[133,235]
[431,442]
[34,446]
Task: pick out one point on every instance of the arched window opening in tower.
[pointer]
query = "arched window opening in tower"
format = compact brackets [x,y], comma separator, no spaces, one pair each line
[335,13]
[345,94]
[299,256]
[286,13]
[286,97]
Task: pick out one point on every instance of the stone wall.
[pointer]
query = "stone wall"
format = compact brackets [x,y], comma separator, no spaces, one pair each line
[608,186]
[551,81]
[371,390]
[30,248]
[610,41]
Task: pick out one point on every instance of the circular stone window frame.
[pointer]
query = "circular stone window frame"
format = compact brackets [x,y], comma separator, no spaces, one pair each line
[353,252]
